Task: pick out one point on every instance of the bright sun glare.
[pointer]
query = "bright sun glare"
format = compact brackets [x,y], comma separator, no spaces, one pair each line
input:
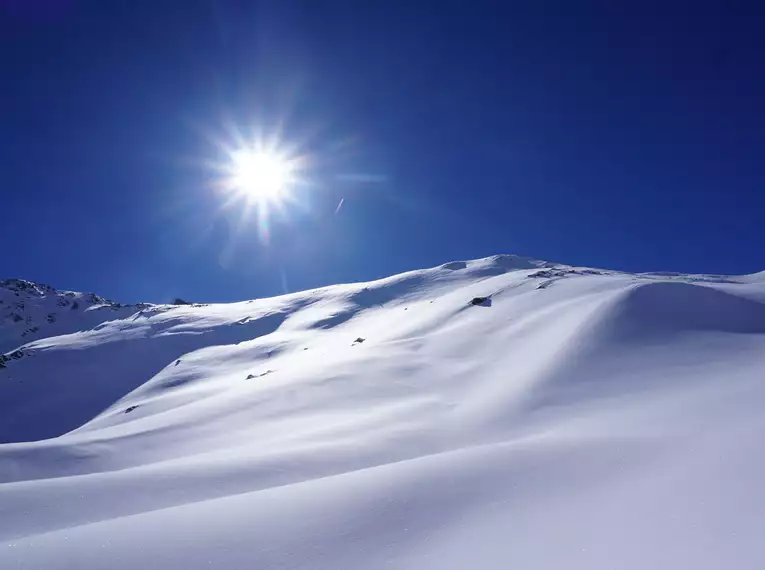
[262,176]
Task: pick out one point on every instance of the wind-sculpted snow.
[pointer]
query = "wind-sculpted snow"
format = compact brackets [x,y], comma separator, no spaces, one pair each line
[574,418]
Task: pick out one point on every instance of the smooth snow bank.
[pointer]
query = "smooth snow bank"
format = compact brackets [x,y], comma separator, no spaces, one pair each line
[581,419]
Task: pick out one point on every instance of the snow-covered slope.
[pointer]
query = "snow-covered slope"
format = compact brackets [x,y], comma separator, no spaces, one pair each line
[497,413]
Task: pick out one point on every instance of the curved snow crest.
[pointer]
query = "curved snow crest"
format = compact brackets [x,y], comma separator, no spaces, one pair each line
[668,307]
[399,424]
[753,278]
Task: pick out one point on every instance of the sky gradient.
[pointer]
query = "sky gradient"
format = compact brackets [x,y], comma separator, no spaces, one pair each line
[590,133]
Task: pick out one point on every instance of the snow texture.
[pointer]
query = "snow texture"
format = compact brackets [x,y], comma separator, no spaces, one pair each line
[572,418]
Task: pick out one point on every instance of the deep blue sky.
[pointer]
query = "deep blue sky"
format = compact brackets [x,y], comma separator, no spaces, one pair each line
[626,135]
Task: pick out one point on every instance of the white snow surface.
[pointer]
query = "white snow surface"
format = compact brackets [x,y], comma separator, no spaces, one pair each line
[577,418]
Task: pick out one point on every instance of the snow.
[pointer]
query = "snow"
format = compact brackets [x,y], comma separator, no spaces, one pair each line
[585,419]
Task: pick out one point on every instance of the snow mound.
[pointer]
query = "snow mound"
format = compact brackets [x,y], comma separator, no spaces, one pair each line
[654,310]
[575,418]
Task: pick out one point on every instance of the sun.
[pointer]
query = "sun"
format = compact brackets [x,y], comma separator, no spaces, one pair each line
[261,176]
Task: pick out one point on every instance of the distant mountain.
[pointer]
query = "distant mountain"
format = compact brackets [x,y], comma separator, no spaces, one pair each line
[496,413]
[29,311]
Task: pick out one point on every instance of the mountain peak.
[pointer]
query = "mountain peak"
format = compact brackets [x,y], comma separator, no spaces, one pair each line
[30,311]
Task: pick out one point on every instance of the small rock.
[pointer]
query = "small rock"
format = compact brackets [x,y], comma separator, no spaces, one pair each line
[130,409]
[359,340]
[250,376]
[479,301]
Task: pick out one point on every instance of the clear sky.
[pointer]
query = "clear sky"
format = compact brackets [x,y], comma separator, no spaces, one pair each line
[625,135]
